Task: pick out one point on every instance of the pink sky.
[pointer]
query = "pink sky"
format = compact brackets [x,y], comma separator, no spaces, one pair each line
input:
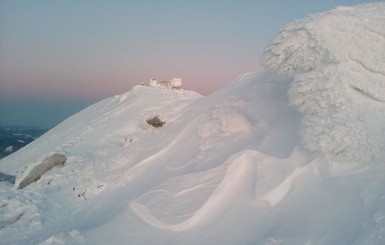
[59,51]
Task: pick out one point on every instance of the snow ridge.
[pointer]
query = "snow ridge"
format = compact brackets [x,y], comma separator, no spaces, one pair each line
[336,59]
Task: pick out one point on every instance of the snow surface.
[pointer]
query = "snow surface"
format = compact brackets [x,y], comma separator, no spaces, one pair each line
[337,59]
[249,164]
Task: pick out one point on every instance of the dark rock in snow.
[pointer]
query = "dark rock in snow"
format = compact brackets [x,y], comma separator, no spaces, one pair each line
[155,122]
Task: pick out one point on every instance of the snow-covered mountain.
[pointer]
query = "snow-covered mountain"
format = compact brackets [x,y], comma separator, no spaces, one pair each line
[268,159]
[13,138]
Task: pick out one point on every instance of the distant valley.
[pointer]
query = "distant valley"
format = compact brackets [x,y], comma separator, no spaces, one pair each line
[12,138]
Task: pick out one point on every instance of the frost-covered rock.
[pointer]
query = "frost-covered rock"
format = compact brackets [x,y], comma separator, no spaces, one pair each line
[35,173]
[337,61]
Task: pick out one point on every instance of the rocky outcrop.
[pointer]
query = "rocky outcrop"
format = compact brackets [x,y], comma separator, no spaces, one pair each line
[155,122]
[54,160]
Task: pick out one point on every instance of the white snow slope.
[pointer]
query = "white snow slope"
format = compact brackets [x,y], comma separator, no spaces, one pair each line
[268,159]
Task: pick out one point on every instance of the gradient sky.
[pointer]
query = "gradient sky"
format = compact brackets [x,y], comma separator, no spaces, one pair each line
[56,57]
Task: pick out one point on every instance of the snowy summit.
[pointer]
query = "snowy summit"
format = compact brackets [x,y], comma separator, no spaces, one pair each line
[337,61]
[294,155]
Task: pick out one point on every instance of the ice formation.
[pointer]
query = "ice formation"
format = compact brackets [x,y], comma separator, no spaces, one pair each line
[337,61]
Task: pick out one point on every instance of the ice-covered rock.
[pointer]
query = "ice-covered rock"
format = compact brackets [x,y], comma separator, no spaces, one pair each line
[337,59]
[35,173]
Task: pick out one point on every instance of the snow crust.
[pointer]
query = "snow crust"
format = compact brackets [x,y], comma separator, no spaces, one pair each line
[337,61]
[241,166]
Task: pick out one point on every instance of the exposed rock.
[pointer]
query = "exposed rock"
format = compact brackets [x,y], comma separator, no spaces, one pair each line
[155,122]
[56,159]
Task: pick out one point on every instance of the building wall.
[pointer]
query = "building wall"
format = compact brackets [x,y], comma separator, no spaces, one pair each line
[153,83]
[175,83]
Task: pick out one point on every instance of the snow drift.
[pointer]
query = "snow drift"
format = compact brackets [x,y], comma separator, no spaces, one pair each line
[241,166]
[337,61]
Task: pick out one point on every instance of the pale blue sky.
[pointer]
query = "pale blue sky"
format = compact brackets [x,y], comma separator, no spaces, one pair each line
[58,56]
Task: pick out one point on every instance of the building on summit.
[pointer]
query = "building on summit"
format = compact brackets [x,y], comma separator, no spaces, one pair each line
[175,83]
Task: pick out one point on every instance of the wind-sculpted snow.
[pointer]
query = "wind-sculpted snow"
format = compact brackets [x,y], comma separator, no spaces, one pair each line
[337,61]
[229,168]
